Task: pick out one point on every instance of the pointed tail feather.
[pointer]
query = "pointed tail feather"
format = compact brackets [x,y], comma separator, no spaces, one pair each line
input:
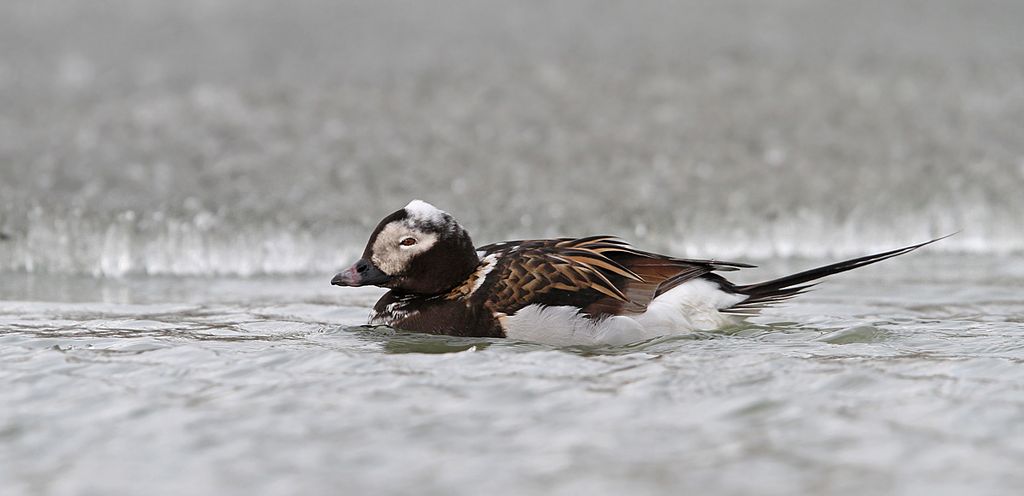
[769,292]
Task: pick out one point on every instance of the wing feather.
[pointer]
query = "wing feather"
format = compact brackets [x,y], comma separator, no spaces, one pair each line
[602,274]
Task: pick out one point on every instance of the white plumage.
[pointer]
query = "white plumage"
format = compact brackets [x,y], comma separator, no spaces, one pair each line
[691,306]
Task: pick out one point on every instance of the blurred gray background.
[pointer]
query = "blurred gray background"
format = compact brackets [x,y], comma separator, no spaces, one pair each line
[244,137]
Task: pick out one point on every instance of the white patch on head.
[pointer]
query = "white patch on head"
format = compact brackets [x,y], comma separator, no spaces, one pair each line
[422,211]
[693,305]
[388,253]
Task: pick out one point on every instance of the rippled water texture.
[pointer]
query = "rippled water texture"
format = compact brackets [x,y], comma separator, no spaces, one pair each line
[886,382]
[179,180]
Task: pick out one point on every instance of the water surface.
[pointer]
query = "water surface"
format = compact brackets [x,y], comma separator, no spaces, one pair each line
[897,380]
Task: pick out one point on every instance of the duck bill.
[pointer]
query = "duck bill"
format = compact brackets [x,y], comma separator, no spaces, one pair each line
[361,273]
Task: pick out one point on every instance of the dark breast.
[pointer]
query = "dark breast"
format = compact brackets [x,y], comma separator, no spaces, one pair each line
[436,315]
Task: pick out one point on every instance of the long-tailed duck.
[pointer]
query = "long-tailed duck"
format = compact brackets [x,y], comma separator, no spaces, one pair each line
[562,291]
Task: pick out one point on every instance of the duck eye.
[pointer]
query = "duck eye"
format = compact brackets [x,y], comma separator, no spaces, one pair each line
[408,241]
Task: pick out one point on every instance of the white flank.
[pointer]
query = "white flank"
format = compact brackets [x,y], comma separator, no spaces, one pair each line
[564,326]
[421,210]
[691,306]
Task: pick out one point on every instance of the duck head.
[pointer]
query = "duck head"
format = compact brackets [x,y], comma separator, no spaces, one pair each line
[418,249]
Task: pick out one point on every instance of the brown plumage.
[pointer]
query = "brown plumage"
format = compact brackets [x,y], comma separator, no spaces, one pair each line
[603,275]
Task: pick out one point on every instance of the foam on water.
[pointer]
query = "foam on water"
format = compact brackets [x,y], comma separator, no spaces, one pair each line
[206,243]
